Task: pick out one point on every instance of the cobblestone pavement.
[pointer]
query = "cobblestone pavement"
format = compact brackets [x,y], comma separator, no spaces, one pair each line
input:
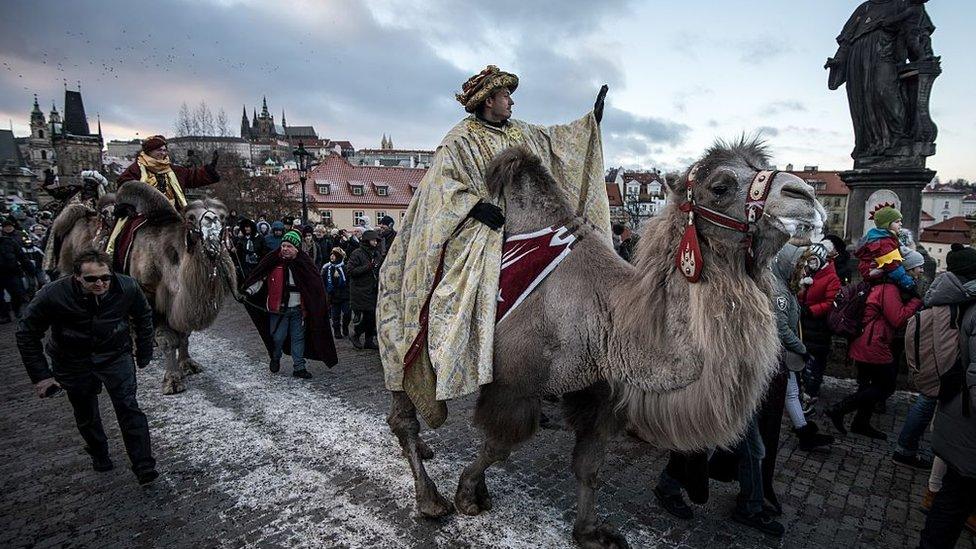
[253,459]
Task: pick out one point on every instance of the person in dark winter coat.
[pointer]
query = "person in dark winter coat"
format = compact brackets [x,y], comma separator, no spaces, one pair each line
[272,240]
[250,247]
[628,242]
[323,244]
[816,301]
[387,234]
[363,270]
[954,431]
[289,309]
[91,316]
[337,287]
[14,265]
[886,311]
[787,268]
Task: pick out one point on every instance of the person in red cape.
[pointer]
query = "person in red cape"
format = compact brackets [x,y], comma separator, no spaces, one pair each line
[287,303]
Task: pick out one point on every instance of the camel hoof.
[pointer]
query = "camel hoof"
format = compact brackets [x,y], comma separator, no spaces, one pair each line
[190,367]
[472,500]
[173,384]
[424,451]
[434,506]
[600,537]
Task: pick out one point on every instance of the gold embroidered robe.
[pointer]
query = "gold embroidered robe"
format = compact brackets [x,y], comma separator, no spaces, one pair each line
[458,357]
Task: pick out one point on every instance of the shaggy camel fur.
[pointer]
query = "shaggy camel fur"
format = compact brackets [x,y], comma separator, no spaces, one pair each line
[66,230]
[683,365]
[180,264]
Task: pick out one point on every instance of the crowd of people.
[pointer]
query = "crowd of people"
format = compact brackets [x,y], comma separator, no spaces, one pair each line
[874,300]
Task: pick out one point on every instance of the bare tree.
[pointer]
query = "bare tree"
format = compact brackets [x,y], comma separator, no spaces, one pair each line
[203,120]
[250,195]
[222,128]
[184,121]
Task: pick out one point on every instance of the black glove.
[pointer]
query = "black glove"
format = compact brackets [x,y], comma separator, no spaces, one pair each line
[598,106]
[143,362]
[489,214]
[124,210]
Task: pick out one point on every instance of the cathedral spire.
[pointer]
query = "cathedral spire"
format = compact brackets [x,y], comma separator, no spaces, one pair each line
[283,124]
[264,107]
[98,117]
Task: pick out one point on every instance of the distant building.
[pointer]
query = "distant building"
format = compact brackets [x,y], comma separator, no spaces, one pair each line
[66,146]
[969,205]
[348,195]
[925,220]
[642,195]
[831,193]
[939,238]
[204,146]
[17,182]
[387,155]
[943,201]
[124,149]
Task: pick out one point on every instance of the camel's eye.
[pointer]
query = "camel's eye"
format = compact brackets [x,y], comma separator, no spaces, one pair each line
[722,186]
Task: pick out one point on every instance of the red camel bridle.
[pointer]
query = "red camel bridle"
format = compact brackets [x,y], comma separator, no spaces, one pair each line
[689,260]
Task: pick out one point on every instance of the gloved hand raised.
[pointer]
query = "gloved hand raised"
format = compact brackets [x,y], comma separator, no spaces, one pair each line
[489,214]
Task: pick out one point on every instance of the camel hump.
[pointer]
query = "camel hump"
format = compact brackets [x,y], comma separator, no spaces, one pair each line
[507,165]
[68,217]
[148,201]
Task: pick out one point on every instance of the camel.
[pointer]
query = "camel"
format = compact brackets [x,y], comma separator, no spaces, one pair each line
[681,364]
[179,262]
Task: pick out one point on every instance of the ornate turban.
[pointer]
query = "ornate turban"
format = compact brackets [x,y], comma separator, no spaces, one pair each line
[153,143]
[477,89]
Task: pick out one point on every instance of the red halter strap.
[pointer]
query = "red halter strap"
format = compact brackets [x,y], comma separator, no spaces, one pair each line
[689,258]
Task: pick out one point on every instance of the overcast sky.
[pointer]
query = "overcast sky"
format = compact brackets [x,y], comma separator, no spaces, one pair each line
[680,73]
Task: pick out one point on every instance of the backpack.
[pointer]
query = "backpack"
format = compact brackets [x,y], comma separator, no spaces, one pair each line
[932,346]
[846,318]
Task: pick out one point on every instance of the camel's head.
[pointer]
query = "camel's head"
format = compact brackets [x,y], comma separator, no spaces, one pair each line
[205,221]
[722,181]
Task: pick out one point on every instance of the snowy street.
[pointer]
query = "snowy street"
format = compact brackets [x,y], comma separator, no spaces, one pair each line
[248,458]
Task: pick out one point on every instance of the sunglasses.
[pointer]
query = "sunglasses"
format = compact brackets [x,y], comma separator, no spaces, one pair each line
[91,279]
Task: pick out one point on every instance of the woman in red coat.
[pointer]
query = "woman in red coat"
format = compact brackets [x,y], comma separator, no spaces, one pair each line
[816,301]
[886,311]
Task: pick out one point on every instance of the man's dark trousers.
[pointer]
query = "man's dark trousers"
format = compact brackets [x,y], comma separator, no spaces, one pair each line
[13,285]
[119,379]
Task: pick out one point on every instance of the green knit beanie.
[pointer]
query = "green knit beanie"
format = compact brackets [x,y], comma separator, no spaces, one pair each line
[885,217]
[293,238]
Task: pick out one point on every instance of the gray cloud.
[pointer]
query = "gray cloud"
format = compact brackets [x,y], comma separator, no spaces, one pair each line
[756,51]
[767,131]
[783,106]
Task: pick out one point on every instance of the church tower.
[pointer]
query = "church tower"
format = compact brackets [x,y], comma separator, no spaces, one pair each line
[40,150]
[245,129]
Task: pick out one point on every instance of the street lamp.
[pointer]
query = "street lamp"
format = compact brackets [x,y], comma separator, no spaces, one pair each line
[303,159]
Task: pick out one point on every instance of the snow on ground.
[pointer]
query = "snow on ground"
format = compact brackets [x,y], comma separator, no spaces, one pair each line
[274,444]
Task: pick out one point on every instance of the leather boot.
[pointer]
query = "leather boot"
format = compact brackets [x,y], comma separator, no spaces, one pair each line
[811,438]
[837,412]
[337,333]
[356,341]
[371,343]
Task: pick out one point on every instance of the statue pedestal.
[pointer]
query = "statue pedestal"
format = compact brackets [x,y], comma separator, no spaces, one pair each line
[871,189]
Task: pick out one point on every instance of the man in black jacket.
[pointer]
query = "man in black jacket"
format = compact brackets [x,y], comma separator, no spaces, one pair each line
[14,264]
[90,316]
[363,271]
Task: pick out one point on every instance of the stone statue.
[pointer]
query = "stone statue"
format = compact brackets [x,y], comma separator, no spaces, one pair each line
[885,57]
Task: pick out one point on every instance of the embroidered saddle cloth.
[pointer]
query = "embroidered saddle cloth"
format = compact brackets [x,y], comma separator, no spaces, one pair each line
[527,259]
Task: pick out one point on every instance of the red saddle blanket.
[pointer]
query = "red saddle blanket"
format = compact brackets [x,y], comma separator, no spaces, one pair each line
[527,259]
[123,243]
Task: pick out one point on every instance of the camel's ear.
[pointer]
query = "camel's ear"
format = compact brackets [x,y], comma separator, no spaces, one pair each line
[676,183]
[502,169]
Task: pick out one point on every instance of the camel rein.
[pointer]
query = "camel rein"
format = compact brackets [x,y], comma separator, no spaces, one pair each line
[689,258]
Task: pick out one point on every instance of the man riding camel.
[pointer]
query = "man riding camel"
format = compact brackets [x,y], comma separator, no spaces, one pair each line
[439,284]
[153,167]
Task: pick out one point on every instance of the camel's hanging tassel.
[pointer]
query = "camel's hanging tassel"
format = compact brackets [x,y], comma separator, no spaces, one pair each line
[688,260]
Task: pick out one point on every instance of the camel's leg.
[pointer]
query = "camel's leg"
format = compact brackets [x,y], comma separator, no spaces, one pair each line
[507,420]
[187,365]
[169,342]
[405,425]
[591,416]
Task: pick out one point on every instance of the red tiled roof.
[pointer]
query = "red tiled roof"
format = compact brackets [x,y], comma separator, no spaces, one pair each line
[943,188]
[951,231]
[926,216]
[613,193]
[826,183]
[341,176]
[642,177]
